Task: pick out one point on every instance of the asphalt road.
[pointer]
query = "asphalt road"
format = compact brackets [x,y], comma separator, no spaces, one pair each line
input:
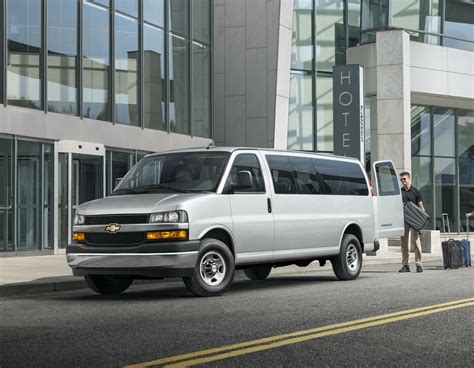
[154,321]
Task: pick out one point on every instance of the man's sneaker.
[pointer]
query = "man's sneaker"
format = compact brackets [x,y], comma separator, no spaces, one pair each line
[405,268]
[419,269]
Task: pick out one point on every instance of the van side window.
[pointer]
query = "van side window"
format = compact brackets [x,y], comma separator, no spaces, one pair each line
[387,180]
[282,175]
[306,179]
[340,177]
[247,162]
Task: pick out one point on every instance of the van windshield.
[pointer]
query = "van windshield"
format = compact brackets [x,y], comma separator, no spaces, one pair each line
[183,172]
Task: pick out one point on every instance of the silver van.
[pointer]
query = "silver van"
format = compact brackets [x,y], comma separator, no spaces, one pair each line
[200,214]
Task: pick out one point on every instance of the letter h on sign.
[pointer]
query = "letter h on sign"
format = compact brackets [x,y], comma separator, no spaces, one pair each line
[348,113]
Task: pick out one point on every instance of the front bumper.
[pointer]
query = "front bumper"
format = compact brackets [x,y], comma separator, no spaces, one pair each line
[170,259]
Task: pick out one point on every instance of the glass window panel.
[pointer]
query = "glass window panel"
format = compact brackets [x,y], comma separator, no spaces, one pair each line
[374,15]
[6,193]
[353,22]
[29,208]
[99,2]
[459,22]
[420,15]
[62,56]
[96,62]
[324,122]
[179,84]
[154,12]
[202,20]
[118,163]
[154,77]
[466,165]
[63,202]
[282,174]
[422,180]
[443,126]
[445,191]
[330,35]
[178,19]
[129,7]
[301,113]
[420,131]
[201,91]
[126,72]
[302,44]
[24,44]
[48,196]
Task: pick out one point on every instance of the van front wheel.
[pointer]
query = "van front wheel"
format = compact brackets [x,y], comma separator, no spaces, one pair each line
[214,271]
[348,263]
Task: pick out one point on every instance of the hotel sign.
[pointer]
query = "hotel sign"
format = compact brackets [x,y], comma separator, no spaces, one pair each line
[348,113]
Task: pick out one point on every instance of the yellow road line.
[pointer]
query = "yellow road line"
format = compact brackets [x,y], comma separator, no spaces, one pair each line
[299,336]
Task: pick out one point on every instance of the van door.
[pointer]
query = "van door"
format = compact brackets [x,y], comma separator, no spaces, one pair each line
[388,205]
[251,211]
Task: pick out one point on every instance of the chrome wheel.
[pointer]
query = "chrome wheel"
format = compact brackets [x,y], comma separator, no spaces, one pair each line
[212,268]
[352,258]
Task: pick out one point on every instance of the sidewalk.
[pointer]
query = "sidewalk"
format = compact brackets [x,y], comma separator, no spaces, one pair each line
[43,274]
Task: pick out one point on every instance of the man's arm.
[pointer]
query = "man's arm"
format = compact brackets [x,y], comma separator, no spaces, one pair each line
[420,204]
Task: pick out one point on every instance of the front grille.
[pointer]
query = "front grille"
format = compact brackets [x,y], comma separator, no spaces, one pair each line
[116,219]
[115,240]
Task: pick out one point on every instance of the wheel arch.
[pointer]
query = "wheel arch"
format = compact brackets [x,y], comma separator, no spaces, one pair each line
[220,233]
[355,229]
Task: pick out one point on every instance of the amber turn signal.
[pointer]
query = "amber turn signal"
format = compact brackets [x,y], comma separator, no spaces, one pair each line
[162,235]
[79,237]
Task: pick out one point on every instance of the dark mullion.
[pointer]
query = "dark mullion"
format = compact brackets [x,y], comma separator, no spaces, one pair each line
[167,61]
[313,79]
[443,18]
[345,17]
[44,55]
[456,172]
[211,55]
[190,69]
[433,186]
[3,52]
[112,61]
[79,60]
[140,77]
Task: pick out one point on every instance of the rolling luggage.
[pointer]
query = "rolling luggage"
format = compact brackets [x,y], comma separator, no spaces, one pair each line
[466,248]
[452,249]
[415,216]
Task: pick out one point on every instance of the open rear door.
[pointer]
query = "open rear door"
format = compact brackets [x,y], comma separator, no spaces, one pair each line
[388,202]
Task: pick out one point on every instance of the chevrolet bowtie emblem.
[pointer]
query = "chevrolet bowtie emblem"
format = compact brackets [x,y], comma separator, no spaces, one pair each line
[112,228]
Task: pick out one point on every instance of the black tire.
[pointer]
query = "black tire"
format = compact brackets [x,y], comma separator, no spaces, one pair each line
[348,263]
[108,285]
[259,272]
[208,280]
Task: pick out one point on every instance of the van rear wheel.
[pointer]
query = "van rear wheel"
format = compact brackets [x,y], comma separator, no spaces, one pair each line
[348,263]
[107,284]
[214,271]
[260,272]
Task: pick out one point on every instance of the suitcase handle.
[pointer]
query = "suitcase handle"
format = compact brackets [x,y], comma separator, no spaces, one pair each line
[443,216]
[467,227]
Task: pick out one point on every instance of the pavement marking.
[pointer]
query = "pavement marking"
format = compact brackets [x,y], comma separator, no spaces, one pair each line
[247,347]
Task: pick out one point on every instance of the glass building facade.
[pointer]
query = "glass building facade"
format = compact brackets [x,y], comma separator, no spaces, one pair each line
[141,63]
[120,61]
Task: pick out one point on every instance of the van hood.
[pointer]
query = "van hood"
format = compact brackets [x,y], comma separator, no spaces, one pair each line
[135,203]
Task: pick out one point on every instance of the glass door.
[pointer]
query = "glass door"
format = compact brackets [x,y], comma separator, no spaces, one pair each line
[6,196]
[81,179]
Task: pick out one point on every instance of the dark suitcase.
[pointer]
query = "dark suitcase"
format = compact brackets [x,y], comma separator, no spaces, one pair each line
[452,249]
[415,216]
[466,248]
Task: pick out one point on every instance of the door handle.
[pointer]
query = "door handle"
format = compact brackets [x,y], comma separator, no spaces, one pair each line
[269,205]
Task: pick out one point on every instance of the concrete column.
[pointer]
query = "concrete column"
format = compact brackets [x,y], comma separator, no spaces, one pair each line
[392,135]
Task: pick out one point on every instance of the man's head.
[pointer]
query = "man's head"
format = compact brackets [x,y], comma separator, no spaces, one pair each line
[405,179]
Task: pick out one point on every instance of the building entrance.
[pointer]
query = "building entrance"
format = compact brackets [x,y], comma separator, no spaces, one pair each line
[81,179]
[6,196]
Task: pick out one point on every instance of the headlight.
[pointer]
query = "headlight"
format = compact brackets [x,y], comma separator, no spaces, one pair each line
[79,219]
[169,217]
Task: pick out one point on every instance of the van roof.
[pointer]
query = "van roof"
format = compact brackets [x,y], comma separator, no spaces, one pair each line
[233,149]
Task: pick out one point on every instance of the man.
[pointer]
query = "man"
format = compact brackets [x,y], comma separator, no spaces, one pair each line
[410,194]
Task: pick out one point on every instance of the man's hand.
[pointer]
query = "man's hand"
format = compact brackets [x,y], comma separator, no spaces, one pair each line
[468,214]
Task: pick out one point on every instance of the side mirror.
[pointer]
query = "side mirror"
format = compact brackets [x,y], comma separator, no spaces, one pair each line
[244,180]
[117,182]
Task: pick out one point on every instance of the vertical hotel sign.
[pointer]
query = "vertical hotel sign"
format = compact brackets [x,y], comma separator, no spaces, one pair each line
[348,113]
